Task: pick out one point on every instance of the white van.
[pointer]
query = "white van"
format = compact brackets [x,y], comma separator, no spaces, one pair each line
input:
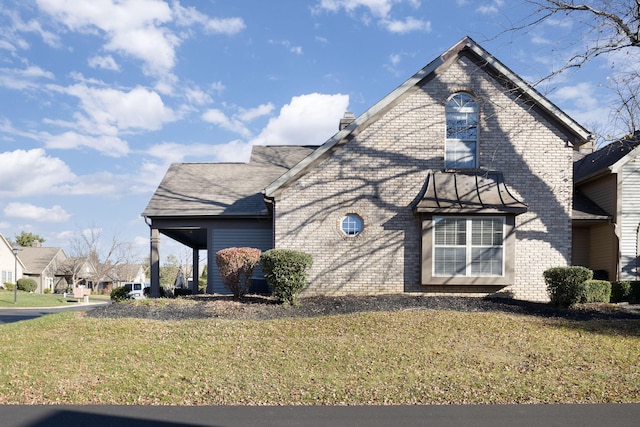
[135,290]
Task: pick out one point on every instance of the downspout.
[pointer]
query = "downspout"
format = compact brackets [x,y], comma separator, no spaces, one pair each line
[270,202]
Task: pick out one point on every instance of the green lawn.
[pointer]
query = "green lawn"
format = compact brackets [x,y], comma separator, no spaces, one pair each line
[26,299]
[405,357]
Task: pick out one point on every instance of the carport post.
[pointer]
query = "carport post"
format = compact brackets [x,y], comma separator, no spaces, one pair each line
[154,259]
[195,275]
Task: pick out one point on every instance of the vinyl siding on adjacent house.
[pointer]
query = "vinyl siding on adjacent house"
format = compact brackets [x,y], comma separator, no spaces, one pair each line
[603,250]
[629,219]
[603,192]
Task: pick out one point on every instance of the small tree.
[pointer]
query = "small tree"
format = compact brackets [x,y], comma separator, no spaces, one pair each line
[236,268]
[26,239]
[286,271]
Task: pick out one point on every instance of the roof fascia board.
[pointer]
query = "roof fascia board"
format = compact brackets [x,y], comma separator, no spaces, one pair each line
[272,189]
[547,105]
[615,168]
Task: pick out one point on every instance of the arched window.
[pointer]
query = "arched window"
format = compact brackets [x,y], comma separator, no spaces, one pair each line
[461,146]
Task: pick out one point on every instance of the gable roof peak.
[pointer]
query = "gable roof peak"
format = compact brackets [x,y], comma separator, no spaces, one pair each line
[575,132]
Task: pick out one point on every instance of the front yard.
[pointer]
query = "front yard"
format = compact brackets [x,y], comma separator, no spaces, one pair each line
[417,355]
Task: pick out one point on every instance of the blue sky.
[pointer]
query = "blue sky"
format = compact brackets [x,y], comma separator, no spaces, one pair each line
[98,97]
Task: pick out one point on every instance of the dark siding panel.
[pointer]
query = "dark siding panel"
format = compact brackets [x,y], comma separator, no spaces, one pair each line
[229,238]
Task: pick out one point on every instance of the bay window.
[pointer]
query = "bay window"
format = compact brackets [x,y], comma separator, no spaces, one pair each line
[468,246]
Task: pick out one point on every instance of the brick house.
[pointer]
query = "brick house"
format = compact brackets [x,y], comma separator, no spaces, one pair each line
[458,181]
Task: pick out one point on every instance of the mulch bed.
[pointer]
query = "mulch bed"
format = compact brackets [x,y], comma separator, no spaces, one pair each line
[259,307]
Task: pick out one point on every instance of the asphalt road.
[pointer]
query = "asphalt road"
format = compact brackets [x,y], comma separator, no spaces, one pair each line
[316,416]
[10,315]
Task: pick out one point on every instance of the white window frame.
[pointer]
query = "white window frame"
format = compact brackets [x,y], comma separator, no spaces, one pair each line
[461,103]
[7,276]
[352,225]
[468,246]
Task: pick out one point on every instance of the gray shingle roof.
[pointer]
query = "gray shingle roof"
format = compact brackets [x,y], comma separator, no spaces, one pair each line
[37,259]
[605,157]
[223,189]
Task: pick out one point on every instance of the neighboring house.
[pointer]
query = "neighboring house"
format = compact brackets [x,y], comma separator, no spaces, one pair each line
[124,273]
[79,272]
[458,181]
[9,263]
[608,240]
[45,266]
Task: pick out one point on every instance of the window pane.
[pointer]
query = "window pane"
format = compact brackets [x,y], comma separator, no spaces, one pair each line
[352,225]
[461,114]
[462,126]
[450,261]
[486,232]
[450,231]
[486,261]
[460,154]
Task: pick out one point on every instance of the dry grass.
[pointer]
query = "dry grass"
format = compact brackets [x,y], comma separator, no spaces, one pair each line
[417,356]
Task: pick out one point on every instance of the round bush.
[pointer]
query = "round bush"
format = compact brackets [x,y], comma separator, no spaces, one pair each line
[286,271]
[565,285]
[119,294]
[27,285]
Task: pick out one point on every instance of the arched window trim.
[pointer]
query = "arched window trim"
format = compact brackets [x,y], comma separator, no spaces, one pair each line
[461,152]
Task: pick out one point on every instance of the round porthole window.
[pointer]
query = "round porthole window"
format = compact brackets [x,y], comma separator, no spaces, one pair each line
[352,225]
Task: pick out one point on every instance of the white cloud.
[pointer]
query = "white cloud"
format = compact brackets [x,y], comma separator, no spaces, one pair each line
[219,118]
[253,113]
[581,94]
[491,8]
[104,62]
[187,16]
[23,78]
[108,145]
[32,172]
[287,44]
[138,28]
[197,96]
[132,27]
[36,213]
[138,108]
[407,25]
[308,119]
[380,10]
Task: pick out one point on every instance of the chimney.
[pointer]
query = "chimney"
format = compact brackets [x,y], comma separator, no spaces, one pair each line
[346,120]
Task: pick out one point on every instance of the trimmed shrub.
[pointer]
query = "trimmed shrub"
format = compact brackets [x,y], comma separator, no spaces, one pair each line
[565,285]
[180,292]
[120,293]
[236,268]
[286,272]
[621,291]
[27,285]
[596,291]
[8,286]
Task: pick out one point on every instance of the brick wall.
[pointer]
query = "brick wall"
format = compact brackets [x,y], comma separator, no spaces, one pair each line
[381,171]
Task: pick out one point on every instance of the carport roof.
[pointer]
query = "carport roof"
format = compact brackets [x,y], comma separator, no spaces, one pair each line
[222,189]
